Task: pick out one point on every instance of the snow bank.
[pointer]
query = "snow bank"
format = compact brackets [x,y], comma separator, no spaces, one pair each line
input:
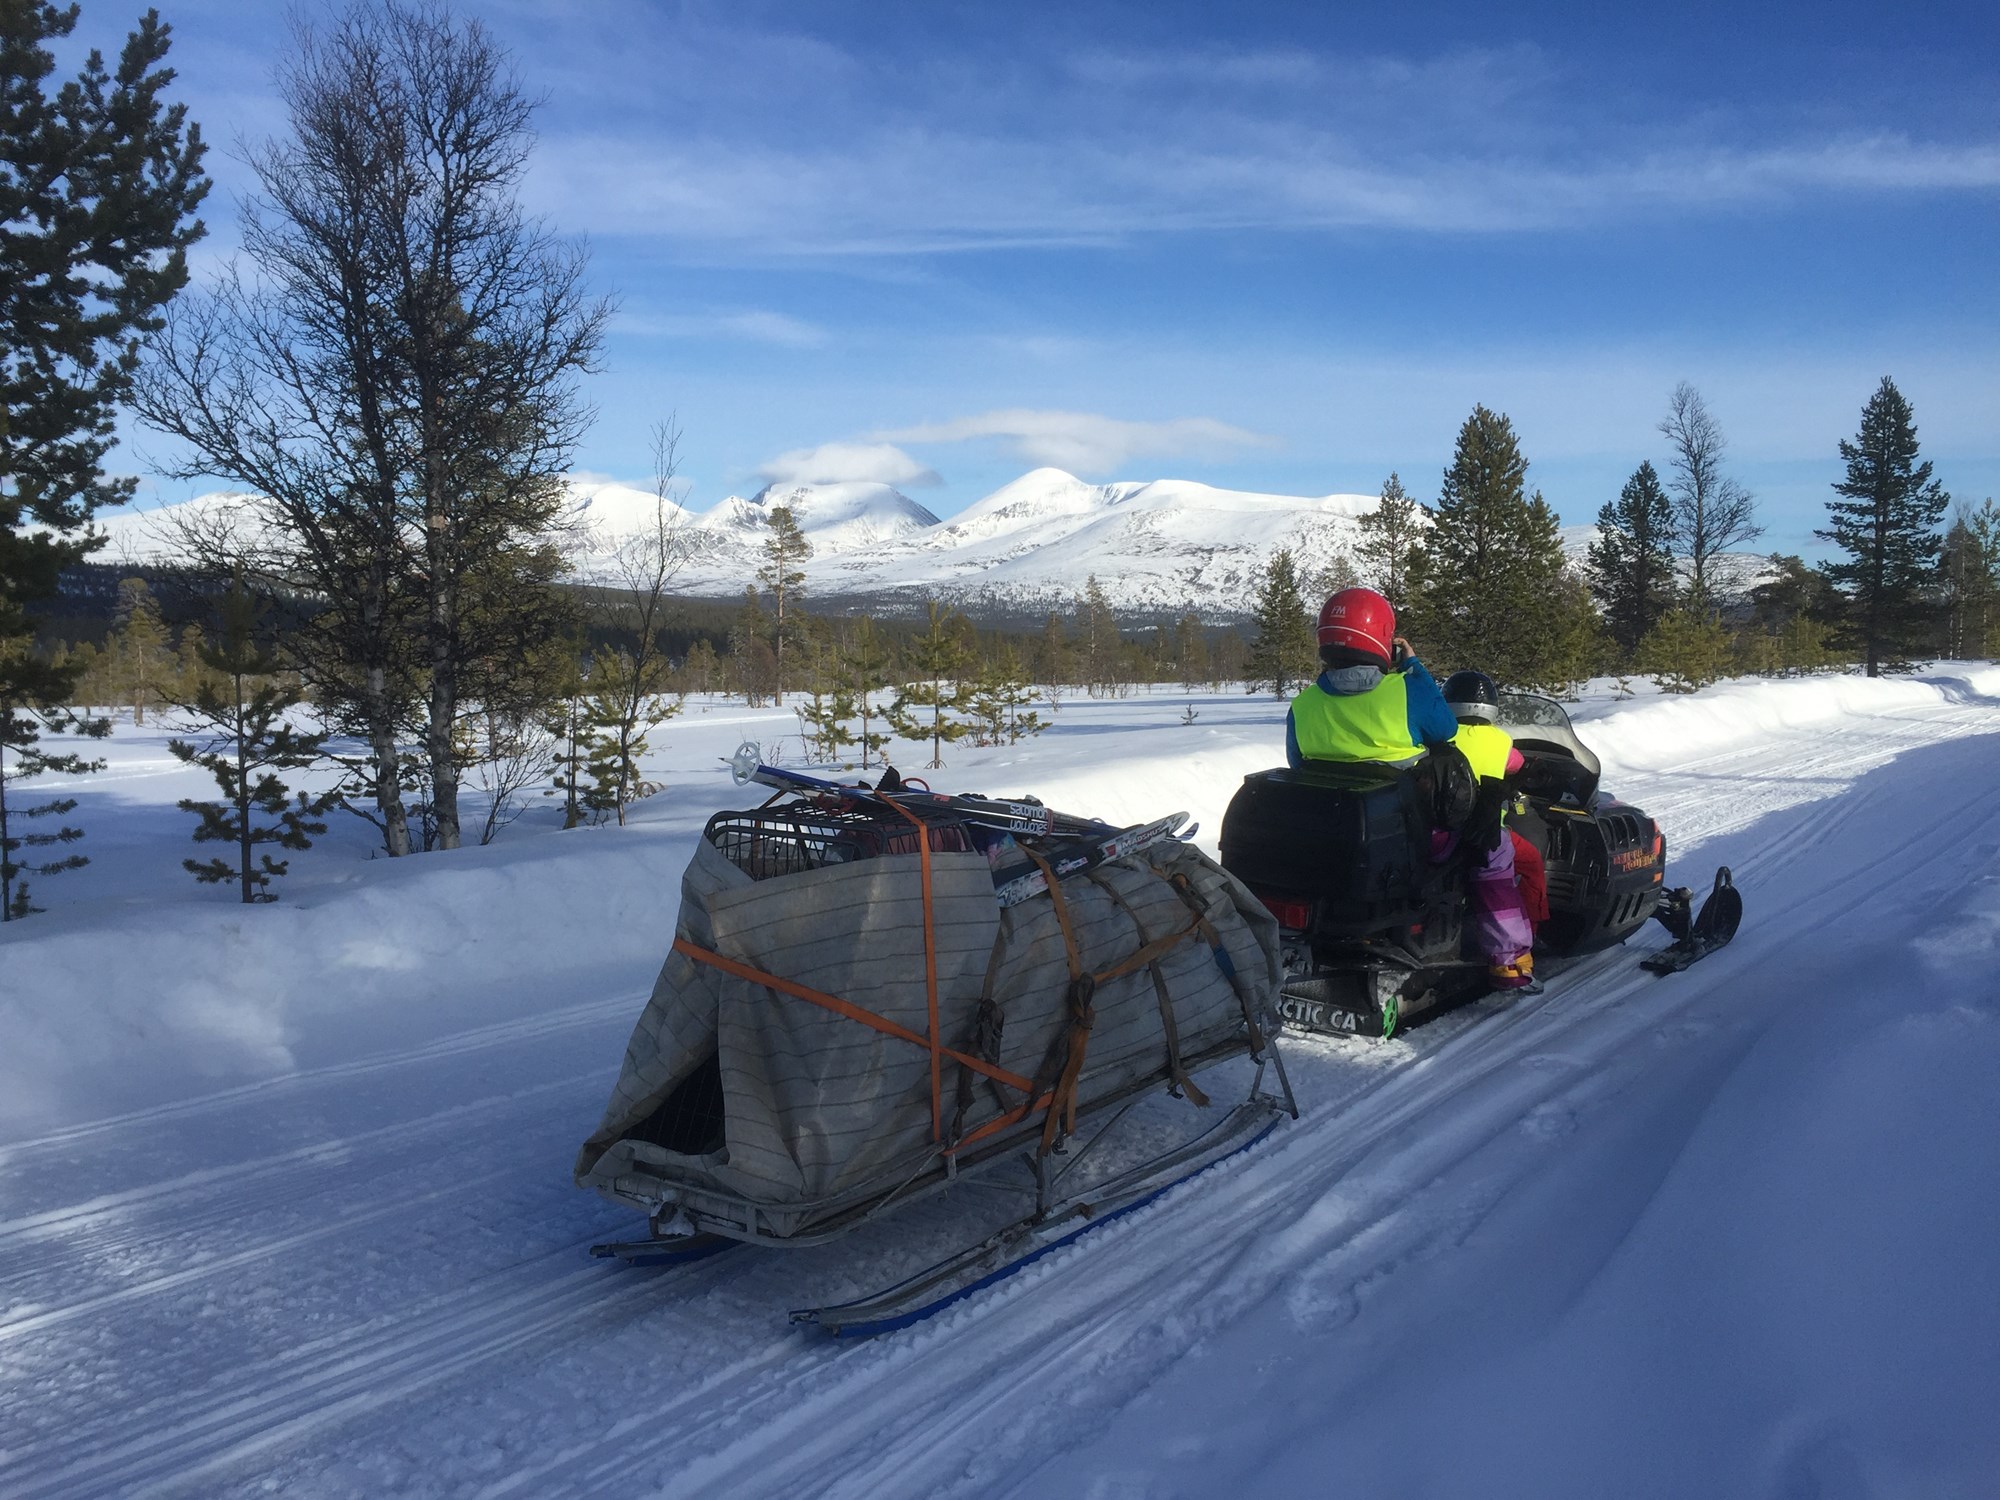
[1666,732]
[109,1010]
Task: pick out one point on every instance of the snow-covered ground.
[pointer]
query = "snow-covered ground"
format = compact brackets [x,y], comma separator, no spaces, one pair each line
[284,1196]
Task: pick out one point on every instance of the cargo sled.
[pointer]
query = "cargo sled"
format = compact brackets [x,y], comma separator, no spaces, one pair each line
[1374,930]
[874,993]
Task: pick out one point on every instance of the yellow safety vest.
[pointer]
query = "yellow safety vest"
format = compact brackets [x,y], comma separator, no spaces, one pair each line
[1374,725]
[1486,746]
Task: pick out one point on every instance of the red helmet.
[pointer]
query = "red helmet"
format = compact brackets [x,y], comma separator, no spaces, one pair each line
[1359,620]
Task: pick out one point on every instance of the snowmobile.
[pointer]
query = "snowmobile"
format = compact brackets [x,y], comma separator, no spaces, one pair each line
[1373,929]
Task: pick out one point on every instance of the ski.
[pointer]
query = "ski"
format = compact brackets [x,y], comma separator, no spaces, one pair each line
[1085,855]
[1020,1245]
[1015,817]
[678,1251]
[1697,937]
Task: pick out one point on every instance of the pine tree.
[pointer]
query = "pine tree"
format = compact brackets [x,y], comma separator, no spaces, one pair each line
[1190,653]
[101,178]
[1686,651]
[999,694]
[862,671]
[1389,534]
[823,717]
[1487,585]
[929,707]
[567,722]
[785,550]
[1226,657]
[751,661]
[1631,563]
[139,641]
[1099,641]
[24,841]
[1970,571]
[1886,521]
[190,670]
[623,709]
[700,669]
[1323,583]
[1053,659]
[1788,630]
[1285,656]
[1577,647]
[238,710]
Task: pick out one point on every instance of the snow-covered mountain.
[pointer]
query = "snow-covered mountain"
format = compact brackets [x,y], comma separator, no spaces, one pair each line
[1159,546]
[1162,545]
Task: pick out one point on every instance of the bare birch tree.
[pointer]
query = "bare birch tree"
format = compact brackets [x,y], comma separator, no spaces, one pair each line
[395,377]
[1712,512]
[632,684]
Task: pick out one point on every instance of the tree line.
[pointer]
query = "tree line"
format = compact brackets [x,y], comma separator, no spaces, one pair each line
[1481,579]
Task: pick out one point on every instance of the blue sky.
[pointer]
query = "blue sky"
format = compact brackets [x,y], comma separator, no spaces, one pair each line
[1280,247]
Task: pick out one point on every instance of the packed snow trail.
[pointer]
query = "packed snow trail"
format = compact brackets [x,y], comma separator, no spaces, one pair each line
[369,1278]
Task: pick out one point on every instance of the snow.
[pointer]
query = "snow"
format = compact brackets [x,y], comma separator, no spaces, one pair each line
[284,1203]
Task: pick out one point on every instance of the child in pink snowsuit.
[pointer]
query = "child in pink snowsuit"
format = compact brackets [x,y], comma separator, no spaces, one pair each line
[1500,925]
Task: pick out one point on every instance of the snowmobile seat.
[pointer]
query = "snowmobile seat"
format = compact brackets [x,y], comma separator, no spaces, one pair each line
[1352,839]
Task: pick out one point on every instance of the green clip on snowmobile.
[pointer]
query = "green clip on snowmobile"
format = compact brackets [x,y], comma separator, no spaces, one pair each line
[1373,930]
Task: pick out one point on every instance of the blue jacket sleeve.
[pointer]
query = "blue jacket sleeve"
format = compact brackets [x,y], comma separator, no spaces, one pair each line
[1292,756]
[1431,718]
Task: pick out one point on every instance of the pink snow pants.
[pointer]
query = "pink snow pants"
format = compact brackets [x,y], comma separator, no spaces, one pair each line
[1500,924]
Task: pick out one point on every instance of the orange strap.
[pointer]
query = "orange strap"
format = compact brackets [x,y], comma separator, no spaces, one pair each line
[930,973]
[852,1012]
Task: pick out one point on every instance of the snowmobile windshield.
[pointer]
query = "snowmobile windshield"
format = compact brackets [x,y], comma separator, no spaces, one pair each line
[1541,728]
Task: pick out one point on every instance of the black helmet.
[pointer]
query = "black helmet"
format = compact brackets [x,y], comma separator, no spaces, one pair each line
[1473,695]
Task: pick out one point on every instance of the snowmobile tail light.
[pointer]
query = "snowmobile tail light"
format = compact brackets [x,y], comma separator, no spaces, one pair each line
[1296,915]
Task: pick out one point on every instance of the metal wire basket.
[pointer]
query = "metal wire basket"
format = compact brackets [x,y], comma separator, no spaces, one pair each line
[773,841]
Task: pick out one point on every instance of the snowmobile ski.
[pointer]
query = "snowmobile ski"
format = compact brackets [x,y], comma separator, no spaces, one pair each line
[664,1252]
[1697,937]
[1087,854]
[1023,1243]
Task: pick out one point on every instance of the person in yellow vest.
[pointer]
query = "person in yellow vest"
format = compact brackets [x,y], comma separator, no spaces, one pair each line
[1374,701]
[1500,922]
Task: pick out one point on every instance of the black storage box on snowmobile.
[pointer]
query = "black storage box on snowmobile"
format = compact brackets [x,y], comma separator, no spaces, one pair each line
[1356,837]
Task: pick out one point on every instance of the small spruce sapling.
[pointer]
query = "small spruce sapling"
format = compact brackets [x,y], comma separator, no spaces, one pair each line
[1686,651]
[23,844]
[929,707]
[237,712]
[823,716]
[863,670]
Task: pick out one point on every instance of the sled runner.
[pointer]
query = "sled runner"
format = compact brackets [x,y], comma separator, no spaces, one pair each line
[874,996]
[1374,929]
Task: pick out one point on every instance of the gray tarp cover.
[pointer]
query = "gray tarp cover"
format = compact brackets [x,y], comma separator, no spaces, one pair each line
[820,1109]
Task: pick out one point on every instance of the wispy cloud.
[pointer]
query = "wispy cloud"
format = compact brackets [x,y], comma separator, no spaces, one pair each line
[1085,442]
[755,325]
[1094,144]
[835,463]
[942,192]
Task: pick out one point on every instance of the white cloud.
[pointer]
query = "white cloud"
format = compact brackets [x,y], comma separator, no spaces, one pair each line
[1085,442]
[834,463]
[755,325]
